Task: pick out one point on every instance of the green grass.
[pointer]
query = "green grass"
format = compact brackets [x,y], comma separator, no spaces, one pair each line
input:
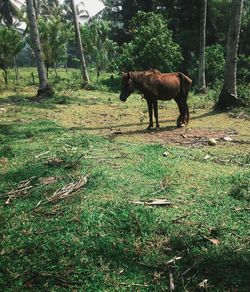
[97,240]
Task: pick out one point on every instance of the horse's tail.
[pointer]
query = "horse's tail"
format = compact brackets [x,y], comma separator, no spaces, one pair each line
[185,84]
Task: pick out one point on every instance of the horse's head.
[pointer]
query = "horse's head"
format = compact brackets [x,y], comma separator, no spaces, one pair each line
[127,86]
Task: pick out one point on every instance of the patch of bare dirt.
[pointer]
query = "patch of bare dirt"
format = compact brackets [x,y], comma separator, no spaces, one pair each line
[190,137]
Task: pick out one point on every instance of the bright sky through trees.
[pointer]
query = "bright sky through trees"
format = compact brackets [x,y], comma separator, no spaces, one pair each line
[92,6]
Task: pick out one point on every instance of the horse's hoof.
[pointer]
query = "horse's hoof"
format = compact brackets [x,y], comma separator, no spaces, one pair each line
[157,129]
[149,128]
[180,125]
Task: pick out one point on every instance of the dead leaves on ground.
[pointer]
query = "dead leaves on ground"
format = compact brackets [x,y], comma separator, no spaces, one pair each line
[213,240]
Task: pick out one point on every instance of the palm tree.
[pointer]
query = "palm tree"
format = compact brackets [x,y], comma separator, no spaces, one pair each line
[201,72]
[8,11]
[44,86]
[228,96]
[46,7]
[84,70]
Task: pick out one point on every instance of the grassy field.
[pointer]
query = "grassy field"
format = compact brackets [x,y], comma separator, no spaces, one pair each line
[100,238]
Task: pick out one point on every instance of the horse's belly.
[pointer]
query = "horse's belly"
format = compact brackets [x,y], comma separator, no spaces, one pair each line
[167,93]
[166,97]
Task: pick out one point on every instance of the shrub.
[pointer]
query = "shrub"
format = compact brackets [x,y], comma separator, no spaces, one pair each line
[215,62]
[152,45]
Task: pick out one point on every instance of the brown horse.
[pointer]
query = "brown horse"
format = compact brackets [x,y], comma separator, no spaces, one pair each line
[153,86]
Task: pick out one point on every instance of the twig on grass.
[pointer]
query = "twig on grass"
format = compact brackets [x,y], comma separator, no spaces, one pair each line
[74,163]
[163,265]
[175,220]
[133,284]
[156,202]
[20,191]
[66,191]
[171,282]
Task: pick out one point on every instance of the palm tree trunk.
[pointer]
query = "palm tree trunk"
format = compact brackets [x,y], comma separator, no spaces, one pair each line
[202,70]
[228,96]
[44,86]
[84,70]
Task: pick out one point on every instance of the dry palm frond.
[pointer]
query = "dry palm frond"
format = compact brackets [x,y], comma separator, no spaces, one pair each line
[20,191]
[67,191]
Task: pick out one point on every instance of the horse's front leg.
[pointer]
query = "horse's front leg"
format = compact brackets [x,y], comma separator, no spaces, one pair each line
[155,104]
[150,113]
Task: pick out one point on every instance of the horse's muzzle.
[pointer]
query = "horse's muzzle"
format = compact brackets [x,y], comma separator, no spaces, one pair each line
[123,98]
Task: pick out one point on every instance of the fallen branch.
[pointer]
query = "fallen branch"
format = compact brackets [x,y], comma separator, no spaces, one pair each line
[156,202]
[60,279]
[20,191]
[133,284]
[74,163]
[176,220]
[171,282]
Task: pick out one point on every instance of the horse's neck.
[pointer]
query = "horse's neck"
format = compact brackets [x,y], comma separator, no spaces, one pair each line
[139,80]
[143,81]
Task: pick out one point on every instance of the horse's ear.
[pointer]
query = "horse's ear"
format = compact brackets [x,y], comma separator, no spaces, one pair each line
[126,74]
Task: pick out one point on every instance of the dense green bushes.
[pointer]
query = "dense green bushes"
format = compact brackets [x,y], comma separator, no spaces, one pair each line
[151,46]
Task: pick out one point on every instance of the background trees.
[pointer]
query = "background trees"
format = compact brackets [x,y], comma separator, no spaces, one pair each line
[8,11]
[137,35]
[44,86]
[10,44]
[202,62]
[100,50]
[85,75]
[228,96]
[54,36]
[158,51]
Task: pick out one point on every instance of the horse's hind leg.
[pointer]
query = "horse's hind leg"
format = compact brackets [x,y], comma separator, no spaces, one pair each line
[186,112]
[181,118]
[155,105]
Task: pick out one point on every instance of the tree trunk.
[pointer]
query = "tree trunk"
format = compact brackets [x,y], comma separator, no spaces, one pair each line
[66,67]
[55,68]
[228,96]
[84,70]
[5,75]
[33,78]
[201,74]
[16,69]
[44,87]
[47,71]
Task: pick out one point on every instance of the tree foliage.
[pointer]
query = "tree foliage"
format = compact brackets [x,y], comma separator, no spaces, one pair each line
[152,45]
[100,50]
[215,62]
[54,35]
[8,11]
[10,44]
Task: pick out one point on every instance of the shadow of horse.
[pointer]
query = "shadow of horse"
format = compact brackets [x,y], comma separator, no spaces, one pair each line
[110,126]
[145,131]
